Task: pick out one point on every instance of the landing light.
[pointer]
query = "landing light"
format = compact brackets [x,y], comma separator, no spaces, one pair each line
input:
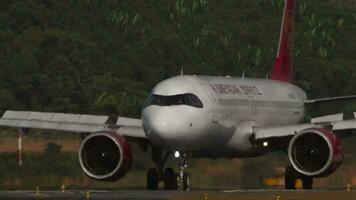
[176,154]
[265,144]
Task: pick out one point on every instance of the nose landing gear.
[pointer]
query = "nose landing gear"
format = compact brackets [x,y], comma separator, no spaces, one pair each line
[171,180]
[184,181]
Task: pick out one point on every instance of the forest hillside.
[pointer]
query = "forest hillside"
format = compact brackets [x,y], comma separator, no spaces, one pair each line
[104,57]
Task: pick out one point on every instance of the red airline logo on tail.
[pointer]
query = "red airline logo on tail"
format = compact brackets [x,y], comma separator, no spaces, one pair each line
[283,67]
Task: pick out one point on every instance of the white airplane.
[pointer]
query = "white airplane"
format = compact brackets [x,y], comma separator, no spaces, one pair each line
[207,116]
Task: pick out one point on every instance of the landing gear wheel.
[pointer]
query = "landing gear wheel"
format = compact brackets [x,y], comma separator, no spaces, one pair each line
[290,178]
[152,179]
[186,182]
[170,179]
[307,183]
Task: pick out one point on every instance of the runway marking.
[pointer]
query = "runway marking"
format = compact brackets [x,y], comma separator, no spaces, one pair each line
[174,195]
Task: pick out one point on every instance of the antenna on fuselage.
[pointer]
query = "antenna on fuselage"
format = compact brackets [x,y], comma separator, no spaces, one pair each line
[181,71]
[243,75]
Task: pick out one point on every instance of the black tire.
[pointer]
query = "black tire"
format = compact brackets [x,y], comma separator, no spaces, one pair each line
[170,180]
[186,182]
[152,179]
[307,182]
[290,178]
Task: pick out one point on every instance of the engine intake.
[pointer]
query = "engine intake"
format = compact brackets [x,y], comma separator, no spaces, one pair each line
[315,152]
[105,156]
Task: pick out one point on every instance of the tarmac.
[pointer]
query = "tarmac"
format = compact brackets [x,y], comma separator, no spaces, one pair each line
[174,195]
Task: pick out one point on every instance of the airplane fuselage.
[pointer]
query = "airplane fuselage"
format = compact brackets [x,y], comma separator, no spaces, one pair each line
[216,115]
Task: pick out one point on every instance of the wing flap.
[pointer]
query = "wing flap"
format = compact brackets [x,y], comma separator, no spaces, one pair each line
[9,122]
[93,119]
[132,131]
[40,116]
[55,117]
[16,114]
[124,121]
[49,125]
[62,117]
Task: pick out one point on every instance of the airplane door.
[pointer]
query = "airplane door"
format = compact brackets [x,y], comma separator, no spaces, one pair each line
[213,102]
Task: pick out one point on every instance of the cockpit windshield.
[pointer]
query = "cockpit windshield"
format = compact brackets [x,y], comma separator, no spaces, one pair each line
[181,99]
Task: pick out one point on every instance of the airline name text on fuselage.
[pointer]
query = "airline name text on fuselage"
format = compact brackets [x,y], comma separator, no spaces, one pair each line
[236,89]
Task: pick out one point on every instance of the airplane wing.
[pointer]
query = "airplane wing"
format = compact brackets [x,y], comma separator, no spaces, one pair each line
[336,123]
[330,99]
[76,123]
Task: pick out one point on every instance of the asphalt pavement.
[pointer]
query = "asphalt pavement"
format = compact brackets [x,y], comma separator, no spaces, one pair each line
[174,195]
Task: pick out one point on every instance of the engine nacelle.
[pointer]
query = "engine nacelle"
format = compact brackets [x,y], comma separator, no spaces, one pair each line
[315,152]
[105,156]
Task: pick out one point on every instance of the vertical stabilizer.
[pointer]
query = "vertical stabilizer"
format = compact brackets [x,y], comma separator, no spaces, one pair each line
[283,67]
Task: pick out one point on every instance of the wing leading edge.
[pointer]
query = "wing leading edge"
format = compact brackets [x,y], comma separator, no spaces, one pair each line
[330,99]
[71,123]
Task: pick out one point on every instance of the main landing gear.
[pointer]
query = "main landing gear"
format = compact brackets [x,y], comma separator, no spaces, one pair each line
[171,180]
[291,176]
[158,174]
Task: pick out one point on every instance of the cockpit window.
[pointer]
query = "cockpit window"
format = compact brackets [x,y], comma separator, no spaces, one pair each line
[181,99]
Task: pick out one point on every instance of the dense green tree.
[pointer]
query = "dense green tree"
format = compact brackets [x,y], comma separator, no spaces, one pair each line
[105,56]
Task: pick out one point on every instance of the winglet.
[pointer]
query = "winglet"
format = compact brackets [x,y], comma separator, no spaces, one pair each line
[283,67]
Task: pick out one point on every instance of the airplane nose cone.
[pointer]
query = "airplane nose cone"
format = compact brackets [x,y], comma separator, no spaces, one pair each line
[174,128]
[162,128]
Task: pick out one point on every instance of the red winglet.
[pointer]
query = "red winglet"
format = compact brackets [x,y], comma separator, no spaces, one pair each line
[283,67]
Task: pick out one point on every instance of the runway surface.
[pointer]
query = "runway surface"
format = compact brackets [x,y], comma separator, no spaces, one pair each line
[168,195]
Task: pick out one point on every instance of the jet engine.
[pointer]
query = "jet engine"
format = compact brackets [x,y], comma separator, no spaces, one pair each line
[315,152]
[105,156]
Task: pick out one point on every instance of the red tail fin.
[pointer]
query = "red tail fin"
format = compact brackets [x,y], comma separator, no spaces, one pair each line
[283,67]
